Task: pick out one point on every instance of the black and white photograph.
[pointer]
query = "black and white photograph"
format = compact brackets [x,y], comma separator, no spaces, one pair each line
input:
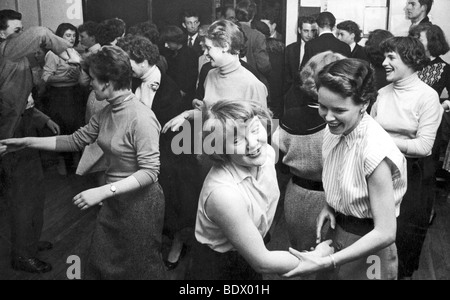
[224,146]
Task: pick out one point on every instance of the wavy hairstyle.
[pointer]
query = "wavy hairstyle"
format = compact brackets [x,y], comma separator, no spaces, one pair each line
[111,64]
[437,43]
[225,33]
[228,115]
[351,27]
[350,77]
[310,72]
[411,51]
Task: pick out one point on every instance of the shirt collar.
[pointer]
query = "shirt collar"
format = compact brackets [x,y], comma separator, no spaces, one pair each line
[94,48]
[325,32]
[351,138]
[352,46]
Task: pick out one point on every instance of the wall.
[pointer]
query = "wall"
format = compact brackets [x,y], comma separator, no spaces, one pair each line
[48,13]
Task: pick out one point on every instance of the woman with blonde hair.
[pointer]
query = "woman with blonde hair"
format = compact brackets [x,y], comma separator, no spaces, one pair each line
[239,197]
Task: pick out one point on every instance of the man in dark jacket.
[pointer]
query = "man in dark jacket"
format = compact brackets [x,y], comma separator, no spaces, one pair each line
[326,40]
[350,34]
[417,11]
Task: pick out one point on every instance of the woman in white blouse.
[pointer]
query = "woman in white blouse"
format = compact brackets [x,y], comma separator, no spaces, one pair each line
[364,178]
[410,111]
[239,198]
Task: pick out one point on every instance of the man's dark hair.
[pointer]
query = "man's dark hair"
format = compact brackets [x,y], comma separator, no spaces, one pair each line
[245,11]
[189,14]
[326,19]
[428,3]
[146,29]
[173,34]
[269,14]
[118,26]
[8,15]
[305,20]
[139,49]
[89,27]
[351,27]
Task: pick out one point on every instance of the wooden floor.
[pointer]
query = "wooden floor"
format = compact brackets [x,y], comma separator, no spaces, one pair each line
[70,232]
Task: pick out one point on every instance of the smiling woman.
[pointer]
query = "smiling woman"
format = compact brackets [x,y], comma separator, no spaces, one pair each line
[409,110]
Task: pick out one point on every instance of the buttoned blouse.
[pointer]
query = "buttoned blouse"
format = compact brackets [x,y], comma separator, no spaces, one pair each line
[260,195]
[350,160]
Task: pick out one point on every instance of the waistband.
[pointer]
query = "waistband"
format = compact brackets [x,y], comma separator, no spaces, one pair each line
[308,184]
[354,225]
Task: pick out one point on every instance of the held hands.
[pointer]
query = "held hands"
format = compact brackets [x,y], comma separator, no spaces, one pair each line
[198,104]
[312,262]
[326,214]
[12,145]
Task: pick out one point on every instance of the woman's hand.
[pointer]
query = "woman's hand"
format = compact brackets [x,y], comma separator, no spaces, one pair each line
[326,214]
[12,145]
[198,104]
[446,105]
[310,263]
[324,249]
[89,198]
[174,124]
[73,73]
[54,128]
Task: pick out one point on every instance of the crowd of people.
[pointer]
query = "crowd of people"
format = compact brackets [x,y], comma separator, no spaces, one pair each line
[361,134]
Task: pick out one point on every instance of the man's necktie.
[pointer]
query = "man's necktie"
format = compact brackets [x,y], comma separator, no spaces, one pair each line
[190,42]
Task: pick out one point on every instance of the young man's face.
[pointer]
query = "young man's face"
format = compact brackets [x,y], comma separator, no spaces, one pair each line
[306,32]
[87,40]
[14,26]
[191,24]
[346,37]
[414,10]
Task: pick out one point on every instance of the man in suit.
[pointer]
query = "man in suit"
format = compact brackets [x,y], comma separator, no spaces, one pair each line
[294,52]
[191,23]
[326,41]
[269,17]
[21,176]
[417,11]
[257,55]
[349,33]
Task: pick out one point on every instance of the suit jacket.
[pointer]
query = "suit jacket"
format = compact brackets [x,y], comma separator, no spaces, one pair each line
[359,53]
[325,42]
[197,47]
[292,65]
[257,55]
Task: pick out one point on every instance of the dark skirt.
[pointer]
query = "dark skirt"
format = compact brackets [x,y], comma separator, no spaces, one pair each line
[127,240]
[415,211]
[207,264]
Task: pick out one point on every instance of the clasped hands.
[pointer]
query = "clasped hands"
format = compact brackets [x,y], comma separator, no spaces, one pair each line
[319,258]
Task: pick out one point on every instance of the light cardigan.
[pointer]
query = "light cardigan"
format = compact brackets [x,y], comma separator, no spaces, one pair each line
[234,82]
[409,110]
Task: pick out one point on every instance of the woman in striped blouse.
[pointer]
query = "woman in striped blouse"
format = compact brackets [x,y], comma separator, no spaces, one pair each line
[364,179]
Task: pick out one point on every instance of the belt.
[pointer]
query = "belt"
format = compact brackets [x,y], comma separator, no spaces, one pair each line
[355,225]
[308,184]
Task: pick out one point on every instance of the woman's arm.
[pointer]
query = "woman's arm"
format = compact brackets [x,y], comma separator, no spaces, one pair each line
[226,208]
[429,122]
[381,193]
[94,196]
[175,124]
[52,62]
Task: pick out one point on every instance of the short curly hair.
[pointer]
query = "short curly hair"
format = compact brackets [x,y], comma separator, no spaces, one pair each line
[437,43]
[173,34]
[227,115]
[350,77]
[63,27]
[225,32]
[372,47]
[111,64]
[411,51]
[310,72]
[146,29]
[139,49]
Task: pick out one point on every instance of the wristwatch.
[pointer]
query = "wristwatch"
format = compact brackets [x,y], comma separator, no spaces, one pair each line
[113,189]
